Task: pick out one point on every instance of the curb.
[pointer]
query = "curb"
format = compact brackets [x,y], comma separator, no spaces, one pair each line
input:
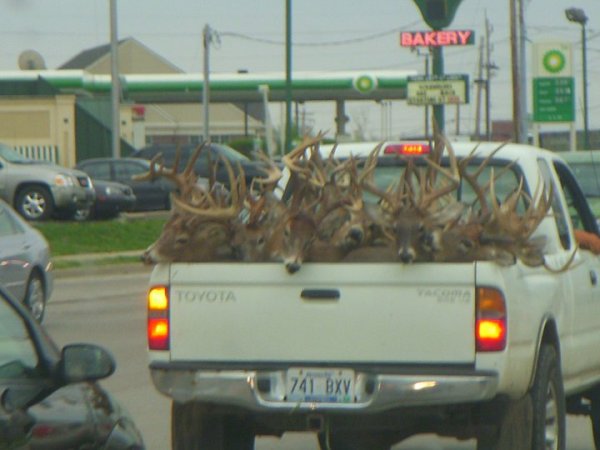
[97,256]
[104,269]
[100,263]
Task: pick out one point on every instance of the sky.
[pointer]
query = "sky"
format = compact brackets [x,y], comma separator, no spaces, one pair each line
[327,35]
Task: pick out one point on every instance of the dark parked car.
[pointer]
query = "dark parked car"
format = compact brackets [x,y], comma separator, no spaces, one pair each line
[150,195]
[252,169]
[50,399]
[25,267]
[112,198]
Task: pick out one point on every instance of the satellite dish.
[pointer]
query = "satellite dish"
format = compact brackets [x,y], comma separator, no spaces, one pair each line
[31,60]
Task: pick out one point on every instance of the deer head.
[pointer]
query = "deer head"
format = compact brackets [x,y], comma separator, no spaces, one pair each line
[187,237]
[418,204]
[202,220]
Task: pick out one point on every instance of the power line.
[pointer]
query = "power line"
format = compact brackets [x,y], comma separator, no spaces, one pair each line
[322,43]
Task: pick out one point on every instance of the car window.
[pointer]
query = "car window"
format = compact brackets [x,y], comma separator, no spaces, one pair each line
[10,155]
[588,176]
[389,171]
[99,170]
[18,355]
[124,170]
[558,212]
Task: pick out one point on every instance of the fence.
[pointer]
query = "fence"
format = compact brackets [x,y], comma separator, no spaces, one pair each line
[39,152]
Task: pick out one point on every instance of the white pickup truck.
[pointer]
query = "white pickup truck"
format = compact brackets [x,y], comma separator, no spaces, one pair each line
[369,354]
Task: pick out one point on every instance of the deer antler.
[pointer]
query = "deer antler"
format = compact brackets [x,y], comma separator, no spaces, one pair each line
[292,160]
[273,173]
[509,222]
[237,189]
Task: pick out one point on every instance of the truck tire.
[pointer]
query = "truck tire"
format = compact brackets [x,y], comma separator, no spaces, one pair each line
[537,421]
[35,297]
[548,401]
[194,429]
[34,202]
[595,418]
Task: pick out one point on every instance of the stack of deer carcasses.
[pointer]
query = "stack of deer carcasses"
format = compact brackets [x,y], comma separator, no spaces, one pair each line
[322,215]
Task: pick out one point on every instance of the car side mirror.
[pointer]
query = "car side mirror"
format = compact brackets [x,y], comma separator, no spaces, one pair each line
[85,362]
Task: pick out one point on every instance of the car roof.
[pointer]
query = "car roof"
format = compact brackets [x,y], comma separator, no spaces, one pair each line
[110,159]
[461,149]
[186,150]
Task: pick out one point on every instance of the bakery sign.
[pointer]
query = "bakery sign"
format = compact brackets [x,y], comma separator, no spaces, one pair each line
[437,38]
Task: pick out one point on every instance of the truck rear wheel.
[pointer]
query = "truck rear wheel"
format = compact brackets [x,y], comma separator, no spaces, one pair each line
[537,421]
[595,418]
[193,429]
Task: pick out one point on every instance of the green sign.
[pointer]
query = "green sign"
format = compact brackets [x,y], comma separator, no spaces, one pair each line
[438,14]
[554,99]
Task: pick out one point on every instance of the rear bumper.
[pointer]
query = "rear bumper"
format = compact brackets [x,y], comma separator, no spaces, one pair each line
[264,390]
[113,206]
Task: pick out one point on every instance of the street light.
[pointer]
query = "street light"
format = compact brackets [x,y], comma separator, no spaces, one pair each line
[577,15]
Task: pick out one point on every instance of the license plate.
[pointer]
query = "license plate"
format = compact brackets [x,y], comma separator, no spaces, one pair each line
[320,385]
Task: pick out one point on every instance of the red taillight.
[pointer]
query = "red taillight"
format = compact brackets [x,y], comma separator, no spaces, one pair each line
[491,325]
[158,318]
[407,149]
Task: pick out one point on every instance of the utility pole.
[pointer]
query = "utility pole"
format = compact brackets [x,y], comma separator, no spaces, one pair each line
[458,119]
[517,45]
[488,75]
[264,91]
[288,76]
[479,81]
[207,40]
[578,15]
[523,123]
[115,82]
[516,81]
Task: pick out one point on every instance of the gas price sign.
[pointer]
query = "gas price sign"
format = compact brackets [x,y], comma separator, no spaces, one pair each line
[437,90]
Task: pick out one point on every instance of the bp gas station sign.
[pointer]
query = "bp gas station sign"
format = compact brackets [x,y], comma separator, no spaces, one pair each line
[553,83]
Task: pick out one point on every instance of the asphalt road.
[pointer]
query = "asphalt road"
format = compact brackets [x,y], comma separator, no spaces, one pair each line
[108,308]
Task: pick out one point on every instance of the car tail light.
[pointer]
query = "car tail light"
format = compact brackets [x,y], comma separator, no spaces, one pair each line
[491,323]
[407,149]
[158,318]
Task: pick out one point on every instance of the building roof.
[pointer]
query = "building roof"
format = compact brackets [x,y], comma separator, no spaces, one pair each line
[87,57]
[134,57]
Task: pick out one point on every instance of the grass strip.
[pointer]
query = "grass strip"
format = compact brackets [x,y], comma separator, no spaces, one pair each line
[124,234]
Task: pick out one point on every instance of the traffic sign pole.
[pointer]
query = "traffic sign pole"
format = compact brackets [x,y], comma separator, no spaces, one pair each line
[438,69]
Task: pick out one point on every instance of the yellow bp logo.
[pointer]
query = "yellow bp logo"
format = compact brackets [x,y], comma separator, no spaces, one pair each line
[365,84]
[554,61]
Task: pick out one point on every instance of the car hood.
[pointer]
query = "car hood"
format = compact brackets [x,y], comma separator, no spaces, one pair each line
[42,167]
